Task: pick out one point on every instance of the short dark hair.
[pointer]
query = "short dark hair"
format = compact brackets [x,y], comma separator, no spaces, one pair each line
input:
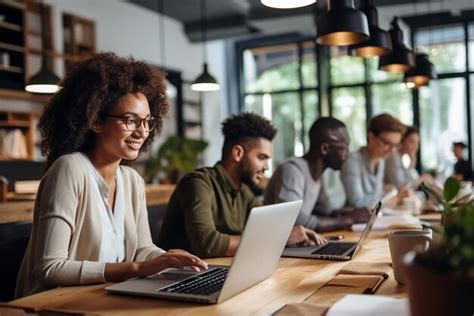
[89,91]
[411,130]
[318,133]
[240,128]
[460,144]
[385,123]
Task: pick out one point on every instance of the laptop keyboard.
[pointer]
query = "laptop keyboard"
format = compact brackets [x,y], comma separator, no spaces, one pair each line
[203,284]
[333,248]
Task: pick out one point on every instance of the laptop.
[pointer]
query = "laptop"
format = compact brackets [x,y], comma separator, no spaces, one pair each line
[265,235]
[334,250]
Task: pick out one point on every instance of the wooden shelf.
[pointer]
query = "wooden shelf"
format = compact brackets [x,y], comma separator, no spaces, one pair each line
[23,95]
[11,47]
[15,124]
[12,69]
[10,26]
[12,4]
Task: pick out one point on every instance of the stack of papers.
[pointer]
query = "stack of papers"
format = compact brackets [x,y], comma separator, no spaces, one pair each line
[368,305]
[384,222]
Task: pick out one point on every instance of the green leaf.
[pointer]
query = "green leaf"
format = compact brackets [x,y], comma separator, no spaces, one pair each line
[451,188]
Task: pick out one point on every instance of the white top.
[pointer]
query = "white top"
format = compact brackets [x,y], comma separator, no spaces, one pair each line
[112,245]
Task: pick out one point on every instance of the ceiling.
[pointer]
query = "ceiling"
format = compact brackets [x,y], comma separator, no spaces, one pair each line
[234,18]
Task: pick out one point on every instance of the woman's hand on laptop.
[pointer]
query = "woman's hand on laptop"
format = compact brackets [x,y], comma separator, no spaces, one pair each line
[174,258]
[303,236]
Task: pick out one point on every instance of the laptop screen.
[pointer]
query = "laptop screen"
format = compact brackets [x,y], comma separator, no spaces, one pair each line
[370,223]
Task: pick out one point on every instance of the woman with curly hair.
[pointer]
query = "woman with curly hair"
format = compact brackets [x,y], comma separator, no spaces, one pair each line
[90,218]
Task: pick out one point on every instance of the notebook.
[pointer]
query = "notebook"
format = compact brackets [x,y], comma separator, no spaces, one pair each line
[263,240]
[334,250]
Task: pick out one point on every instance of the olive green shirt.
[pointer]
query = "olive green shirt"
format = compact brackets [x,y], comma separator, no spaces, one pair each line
[204,211]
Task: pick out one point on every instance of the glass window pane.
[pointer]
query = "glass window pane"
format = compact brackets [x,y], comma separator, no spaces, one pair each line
[271,68]
[253,103]
[308,68]
[346,69]
[310,104]
[443,121]
[285,115]
[395,99]
[445,46]
[349,107]
[377,75]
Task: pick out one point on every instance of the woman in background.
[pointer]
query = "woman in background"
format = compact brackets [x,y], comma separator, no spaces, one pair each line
[90,217]
[400,166]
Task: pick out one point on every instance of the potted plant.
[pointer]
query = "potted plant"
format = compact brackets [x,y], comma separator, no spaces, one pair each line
[178,155]
[441,279]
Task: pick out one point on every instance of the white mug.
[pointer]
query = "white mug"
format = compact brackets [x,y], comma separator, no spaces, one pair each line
[403,241]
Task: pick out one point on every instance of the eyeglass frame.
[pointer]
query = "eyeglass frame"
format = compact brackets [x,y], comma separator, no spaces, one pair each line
[140,121]
[388,144]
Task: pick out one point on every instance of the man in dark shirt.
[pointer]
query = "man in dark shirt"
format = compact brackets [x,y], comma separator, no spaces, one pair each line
[462,169]
[209,207]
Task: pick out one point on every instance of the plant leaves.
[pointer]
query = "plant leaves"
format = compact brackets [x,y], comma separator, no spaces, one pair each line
[451,188]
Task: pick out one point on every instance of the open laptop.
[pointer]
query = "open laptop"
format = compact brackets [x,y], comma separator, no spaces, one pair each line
[334,250]
[265,235]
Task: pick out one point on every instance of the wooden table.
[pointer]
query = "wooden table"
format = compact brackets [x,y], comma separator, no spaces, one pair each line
[293,281]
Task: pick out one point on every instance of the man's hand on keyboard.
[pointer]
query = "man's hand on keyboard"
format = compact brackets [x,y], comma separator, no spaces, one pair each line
[303,236]
[174,258]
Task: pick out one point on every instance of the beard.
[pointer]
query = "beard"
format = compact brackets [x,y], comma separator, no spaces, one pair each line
[246,176]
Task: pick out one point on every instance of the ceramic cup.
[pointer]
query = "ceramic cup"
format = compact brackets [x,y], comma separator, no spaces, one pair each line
[403,241]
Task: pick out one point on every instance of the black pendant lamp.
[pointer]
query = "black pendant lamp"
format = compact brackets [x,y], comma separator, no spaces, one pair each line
[45,81]
[287,4]
[423,72]
[400,59]
[205,81]
[379,43]
[341,24]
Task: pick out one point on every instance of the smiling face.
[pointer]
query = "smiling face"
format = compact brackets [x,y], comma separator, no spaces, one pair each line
[114,140]
[255,159]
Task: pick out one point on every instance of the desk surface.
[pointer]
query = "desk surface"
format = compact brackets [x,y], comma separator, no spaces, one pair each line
[293,281]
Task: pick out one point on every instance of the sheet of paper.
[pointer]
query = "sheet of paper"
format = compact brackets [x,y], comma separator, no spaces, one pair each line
[383,222]
[368,305]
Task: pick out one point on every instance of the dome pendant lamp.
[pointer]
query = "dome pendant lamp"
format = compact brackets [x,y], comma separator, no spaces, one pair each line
[423,72]
[287,4]
[379,43]
[341,24]
[44,81]
[400,59]
[204,82]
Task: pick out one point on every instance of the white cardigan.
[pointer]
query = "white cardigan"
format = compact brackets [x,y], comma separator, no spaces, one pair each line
[65,240]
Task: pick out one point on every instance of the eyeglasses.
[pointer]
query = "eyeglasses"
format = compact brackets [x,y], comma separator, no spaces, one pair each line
[134,123]
[389,144]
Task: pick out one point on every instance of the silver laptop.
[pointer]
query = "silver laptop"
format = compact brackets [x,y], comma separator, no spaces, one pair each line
[265,235]
[334,250]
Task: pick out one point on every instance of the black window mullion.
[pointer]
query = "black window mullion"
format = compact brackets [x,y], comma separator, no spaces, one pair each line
[300,92]
[468,94]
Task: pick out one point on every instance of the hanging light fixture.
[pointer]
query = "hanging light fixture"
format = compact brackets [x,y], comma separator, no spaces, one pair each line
[379,43]
[171,90]
[341,24]
[45,81]
[400,59]
[204,82]
[287,4]
[423,72]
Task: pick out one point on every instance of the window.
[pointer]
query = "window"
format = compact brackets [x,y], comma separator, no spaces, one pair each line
[443,121]
[445,47]
[280,83]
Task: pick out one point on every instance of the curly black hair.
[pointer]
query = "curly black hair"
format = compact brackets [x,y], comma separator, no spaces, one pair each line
[240,128]
[88,93]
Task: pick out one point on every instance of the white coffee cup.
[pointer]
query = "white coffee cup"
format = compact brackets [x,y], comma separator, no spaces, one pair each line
[403,241]
[413,204]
